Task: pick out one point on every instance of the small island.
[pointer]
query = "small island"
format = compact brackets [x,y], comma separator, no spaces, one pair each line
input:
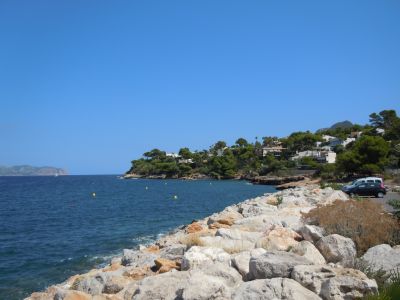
[26,170]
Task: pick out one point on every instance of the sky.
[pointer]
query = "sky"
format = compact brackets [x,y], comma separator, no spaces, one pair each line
[90,85]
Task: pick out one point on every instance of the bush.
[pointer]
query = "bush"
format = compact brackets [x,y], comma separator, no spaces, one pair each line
[365,222]
[333,185]
[390,290]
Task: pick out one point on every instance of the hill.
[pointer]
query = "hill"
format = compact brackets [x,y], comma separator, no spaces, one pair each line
[26,170]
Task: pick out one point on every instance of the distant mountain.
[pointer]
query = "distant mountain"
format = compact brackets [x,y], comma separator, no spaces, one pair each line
[343,124]
[26,170]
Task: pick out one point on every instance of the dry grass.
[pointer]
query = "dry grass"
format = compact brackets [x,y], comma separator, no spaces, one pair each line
[192,239]
[365,222]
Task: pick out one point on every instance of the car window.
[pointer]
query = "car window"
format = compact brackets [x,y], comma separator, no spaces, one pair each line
[377,181]
[370,180]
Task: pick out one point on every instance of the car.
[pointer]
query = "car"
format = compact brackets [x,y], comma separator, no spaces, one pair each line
[369,186]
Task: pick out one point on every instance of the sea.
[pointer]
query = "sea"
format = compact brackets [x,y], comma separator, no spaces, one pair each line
[54,227]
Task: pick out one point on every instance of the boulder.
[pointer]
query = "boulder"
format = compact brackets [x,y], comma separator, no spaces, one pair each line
[274,264]
[163,286]
[227,217]
[211,281]
[334,283]
[312,233]
[271,289]
[240,262]
[138,258]
[231,246]
[309,251]
[255,209]
[194,227]
[382,257]
[92,285]
[279,238]
[236,234]
[348,286]
[333,196]
[173,252]
[165,265]
[337,249]
[71,295]
[197,256]
[115,284]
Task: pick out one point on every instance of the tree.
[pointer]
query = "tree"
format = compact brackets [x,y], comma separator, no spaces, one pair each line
[241,142]
[301,141]
[223,166]
[367,156]
[155,154]
[185,153]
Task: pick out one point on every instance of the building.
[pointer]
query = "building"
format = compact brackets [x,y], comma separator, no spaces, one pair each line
[328,157]
[172,154]
[274,150]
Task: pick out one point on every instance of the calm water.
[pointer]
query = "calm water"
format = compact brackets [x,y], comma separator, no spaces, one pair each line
[53,227]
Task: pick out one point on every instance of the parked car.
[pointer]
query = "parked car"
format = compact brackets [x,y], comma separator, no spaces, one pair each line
[369,186]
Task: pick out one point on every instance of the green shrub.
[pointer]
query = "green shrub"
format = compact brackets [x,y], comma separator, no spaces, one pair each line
[390,290]
[333,185]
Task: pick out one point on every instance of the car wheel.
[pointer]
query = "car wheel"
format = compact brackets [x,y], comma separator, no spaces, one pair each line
[380,195]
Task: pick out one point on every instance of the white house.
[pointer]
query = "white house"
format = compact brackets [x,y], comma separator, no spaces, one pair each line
[348,141]
[321,156]
[173,155]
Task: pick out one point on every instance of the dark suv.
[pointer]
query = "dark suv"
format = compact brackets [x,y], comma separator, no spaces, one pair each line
[376,189]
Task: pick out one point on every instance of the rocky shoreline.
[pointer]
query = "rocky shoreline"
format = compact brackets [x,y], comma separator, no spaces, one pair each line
[256,249]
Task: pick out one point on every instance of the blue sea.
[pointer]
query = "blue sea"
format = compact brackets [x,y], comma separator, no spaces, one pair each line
[55,227]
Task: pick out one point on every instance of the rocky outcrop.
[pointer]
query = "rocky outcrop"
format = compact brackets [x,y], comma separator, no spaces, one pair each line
[257,249]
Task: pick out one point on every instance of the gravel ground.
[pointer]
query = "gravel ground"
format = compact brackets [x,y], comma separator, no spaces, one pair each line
[384,200]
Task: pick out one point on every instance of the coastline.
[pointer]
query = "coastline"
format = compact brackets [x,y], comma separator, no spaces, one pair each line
[216,250]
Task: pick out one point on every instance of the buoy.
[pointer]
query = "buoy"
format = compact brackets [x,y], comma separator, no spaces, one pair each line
[175,197]
[147,187]
[94,194]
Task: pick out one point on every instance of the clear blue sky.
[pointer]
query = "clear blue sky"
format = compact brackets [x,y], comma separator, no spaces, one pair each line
[91,85]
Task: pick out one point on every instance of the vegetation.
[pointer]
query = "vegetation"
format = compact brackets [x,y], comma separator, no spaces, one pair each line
[389,290]
[377,146]
[365,222]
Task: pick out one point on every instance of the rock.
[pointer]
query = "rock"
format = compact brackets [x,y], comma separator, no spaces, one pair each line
[173,252]
[335,195]
[115,284]
[197,256]
[312,233]
[348,287]
[71,295]
[252,210]
[271,200]
[312,277]
[279,238]
[194,227]
[241,261]
[274,264]
[382,257]
[166,265]
[334,283]
[163,286]
[92,285]
[309,251]
[138,273]
[236,234]
[231,246]
[211,281]
[337,249]
[227,217]
[273,289]
[218,226]
[137,258]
